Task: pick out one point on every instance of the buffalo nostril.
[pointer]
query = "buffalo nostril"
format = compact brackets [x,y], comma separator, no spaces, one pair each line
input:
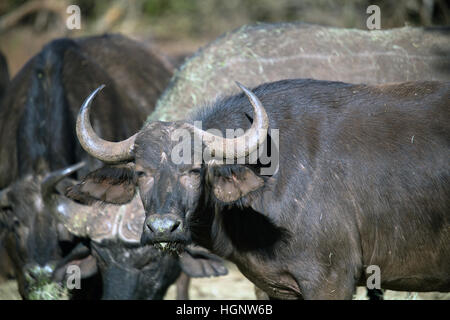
[175,225]
[149,225]
[30,275]
[162,224]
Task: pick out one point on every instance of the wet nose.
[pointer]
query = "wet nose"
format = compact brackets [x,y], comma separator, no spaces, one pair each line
[164,225]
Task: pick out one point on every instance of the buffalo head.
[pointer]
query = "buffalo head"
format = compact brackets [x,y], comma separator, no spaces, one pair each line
[128,270]
[172,192]
[36,241]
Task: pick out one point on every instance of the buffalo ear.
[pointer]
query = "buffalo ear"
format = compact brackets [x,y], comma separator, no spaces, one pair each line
[235,184]
[107,184]
[197,262]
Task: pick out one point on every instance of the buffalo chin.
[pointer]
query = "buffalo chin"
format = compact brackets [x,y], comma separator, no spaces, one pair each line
[171,247]
[164,243]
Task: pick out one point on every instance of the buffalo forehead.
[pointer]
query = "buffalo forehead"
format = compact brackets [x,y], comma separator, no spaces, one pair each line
[154,141]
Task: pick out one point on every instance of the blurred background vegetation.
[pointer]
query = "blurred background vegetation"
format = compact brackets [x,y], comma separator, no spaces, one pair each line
[179,27]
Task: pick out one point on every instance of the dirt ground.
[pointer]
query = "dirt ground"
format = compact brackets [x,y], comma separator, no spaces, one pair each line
[235,286]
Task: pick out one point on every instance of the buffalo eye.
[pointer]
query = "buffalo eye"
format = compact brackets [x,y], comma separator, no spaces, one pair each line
[141,174]
[16,223]
[8,207]
[195,171]
[5,213]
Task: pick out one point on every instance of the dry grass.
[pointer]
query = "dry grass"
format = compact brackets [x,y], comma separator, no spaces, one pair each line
[235,286]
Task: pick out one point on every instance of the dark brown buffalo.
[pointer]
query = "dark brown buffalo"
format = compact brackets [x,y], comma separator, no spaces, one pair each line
[362,179]
[38,140]
[260,53]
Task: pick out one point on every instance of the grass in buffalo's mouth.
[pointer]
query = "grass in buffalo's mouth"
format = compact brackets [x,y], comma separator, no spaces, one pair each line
[173,247]
[49,291]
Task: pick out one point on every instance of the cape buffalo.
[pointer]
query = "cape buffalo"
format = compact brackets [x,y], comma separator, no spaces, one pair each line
[263,52]
[38,140]
[361,179]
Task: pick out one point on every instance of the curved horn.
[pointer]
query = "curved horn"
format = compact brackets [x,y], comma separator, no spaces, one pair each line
[101,222]
[103,150]
[247,143]
[52,179]
[74,216]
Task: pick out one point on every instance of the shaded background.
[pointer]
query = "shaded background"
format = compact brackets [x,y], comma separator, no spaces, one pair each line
[177,28]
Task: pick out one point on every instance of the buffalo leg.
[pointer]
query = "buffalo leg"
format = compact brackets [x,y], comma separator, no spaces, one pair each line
[375,294]
[261,295]
[183,286]
[328,284]
[331,291]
